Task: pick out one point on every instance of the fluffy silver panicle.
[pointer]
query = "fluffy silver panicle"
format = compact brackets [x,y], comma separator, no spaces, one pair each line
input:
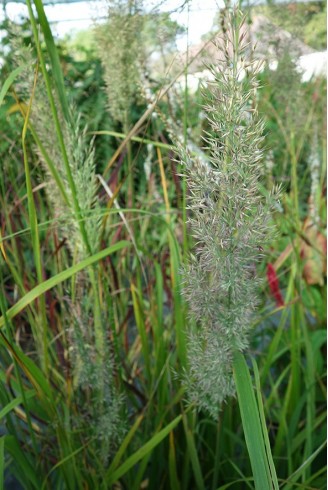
[229,219]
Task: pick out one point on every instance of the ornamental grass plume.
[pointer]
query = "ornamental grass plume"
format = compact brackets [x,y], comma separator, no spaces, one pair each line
[97,403]
[121,53]
[229,219]
[80,153]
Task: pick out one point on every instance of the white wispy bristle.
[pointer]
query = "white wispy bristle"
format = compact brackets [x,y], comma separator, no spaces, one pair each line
[229,219]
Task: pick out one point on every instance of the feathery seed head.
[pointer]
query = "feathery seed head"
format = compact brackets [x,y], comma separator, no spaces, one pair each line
[121,52]
[91,370]
[229,218]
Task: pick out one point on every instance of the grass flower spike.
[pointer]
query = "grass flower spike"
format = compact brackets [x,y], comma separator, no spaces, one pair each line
[85,326]
[229,218]
[120,50]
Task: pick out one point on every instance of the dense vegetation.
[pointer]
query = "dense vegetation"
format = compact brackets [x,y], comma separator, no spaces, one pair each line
[99,307]
[307,21]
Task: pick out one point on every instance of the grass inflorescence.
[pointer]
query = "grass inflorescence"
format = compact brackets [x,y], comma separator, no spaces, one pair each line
[230,221]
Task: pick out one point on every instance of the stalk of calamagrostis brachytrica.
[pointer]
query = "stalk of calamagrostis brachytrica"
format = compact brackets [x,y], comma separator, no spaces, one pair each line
[229,219]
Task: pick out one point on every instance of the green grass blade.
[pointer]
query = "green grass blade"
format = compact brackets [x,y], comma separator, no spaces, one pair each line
[137,480]
[26,474]
[139,319]
[233,483]
[14,403]
[119,454]
[2,462]
[137,139]
[179,310]
[241,474]
[58,278]
[251,424]
[143,451]
[31,370]
[299,439]
[264,428]
[54,58]
[61,462]
[296,475]
[9,80]
[174,482]
[193,456]
[42,341]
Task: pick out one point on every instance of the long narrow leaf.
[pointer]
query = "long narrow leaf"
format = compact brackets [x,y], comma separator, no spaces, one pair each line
[119,454]
[251,424]
[62,276]
[143,451]
[54,58]
[14,403]
[138,139]
[2,461]
[296,475]
[31,370]
[27,475]
[193,456]
[264,428]
[10,79]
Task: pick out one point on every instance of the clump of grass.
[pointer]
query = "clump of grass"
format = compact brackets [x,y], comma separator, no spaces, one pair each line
[230,220]
[86,328]
[71,413]
[80,155]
